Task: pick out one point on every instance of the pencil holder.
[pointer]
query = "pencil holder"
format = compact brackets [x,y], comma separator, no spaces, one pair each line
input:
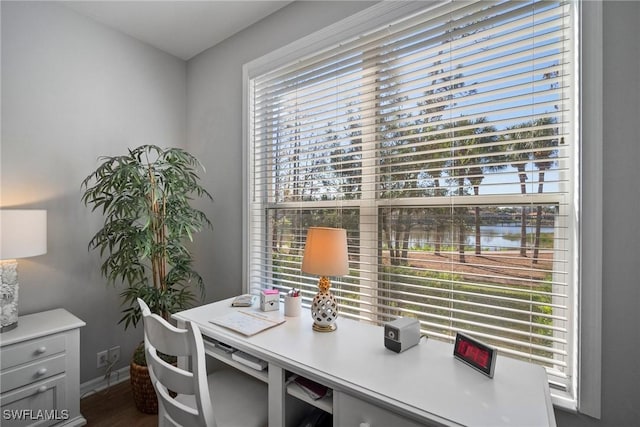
[292,306]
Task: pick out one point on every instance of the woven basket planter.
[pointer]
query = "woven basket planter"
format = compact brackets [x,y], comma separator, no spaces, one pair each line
[144,395]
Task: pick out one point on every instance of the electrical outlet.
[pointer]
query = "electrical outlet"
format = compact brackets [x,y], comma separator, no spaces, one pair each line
[114,354]
[103,358]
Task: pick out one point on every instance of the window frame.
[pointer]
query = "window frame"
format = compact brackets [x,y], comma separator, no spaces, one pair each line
[585,395]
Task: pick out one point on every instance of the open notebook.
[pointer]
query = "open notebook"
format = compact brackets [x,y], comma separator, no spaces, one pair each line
[247,322]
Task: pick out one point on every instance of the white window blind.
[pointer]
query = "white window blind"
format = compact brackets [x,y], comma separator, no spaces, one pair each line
[444,143]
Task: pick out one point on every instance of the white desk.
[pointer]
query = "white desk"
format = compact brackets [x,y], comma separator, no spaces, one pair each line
[423,385]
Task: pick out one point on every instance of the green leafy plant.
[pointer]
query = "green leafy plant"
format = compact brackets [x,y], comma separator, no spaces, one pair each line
[145,197]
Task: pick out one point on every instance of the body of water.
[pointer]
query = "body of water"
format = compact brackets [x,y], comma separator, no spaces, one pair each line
[492,237]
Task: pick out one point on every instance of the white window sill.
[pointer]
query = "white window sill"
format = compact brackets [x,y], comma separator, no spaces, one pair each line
[562,400]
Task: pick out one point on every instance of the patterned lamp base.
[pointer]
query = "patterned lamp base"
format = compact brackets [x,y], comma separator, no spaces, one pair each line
[324,308]
[8,295]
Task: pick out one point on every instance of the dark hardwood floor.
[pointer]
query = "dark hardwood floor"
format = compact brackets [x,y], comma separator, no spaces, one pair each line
[114,407]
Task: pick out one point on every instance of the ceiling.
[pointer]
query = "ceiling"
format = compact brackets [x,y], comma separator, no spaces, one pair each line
[181,28]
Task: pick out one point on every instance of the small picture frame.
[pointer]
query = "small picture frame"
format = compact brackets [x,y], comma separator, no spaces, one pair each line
[476,354]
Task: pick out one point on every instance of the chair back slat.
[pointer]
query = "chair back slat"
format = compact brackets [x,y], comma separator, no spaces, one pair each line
[165,337]
[175,379]
[179,414]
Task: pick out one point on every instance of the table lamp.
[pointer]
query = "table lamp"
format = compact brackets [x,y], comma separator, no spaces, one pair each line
[325,254]
[23,233]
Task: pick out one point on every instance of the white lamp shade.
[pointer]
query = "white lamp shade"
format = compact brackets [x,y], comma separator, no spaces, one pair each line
[325,253]
[23,233]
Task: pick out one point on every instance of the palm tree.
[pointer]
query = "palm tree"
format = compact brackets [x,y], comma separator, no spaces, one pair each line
[435,102]
[544,160]
[518,154]
[537,150]
[435,165]
[472,158]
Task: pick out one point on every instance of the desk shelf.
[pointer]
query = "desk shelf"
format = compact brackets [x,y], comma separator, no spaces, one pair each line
[225,357]
[326,403]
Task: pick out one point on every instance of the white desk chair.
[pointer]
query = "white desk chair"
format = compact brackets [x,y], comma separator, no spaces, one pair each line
[224,398]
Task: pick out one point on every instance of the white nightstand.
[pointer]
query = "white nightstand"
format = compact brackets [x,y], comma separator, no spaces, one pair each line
[40,371]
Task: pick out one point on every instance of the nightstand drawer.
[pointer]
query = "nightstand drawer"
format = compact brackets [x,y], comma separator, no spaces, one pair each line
[34,371]
[18,354]
[40,404]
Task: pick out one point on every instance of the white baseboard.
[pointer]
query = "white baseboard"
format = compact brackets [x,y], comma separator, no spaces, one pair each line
[100,383]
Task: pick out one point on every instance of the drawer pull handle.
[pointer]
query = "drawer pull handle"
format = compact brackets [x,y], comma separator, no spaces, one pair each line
[42,389]
[42,371]
[41,350]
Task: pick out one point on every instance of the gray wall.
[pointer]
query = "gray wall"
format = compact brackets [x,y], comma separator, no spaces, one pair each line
[73,90]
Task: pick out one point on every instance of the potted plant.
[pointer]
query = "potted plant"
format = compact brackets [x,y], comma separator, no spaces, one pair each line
[146,199]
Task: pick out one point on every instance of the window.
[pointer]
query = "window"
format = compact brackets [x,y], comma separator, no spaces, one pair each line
[445,142]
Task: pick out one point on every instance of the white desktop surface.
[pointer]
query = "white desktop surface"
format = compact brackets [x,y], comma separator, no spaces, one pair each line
[425,382]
